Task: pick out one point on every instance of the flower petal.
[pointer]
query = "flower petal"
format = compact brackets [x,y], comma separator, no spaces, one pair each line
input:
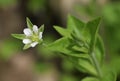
[27,32]
[34,44]
[26,41]
[40,35]
[35,29]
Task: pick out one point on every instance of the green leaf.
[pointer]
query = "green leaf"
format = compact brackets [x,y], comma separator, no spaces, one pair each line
[86,64]
[107,76]
[59,44]
[75,26]
[74,23]
[29,23]
[111,76]
[81,49]
[99,49]
[100,44]
[19,36]
[26,46]
[63,46]
[83,65]
[90,79]
[62,31]
[115,63]
[41,29]
[92,27]
[74,60]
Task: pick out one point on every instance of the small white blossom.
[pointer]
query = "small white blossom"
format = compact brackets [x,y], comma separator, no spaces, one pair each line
[26,41]
[34,44]
[40,35]
[27,32]
[35,29]
[32,36]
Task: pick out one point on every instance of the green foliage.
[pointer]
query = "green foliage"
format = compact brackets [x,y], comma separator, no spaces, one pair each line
[62,31]
[90,79]
[111,28]
[83,46]
[109,76]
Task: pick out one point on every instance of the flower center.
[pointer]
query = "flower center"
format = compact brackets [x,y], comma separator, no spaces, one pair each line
[35,38]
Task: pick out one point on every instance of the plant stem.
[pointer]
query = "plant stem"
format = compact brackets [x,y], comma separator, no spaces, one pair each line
[96,64]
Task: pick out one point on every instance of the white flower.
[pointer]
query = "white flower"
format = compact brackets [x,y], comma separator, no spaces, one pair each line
[32,36]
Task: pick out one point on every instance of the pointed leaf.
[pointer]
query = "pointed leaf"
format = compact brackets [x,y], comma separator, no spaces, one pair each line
[93,27]
[29,23]
[90,79]
[111,76]
[108,76]
[62,31]
[19,36]
[59,44]
[86,64]
[62,46]
[76,27]
[74,23]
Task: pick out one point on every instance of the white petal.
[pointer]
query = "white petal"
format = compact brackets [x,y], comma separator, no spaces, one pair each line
[27,32]
[40,35]
[35,29]
[26,41]
[34,44]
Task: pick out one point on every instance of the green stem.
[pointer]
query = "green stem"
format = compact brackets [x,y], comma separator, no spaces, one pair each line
[96,64]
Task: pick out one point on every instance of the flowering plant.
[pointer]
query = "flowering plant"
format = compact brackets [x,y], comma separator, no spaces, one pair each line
[32,35]
[80,44]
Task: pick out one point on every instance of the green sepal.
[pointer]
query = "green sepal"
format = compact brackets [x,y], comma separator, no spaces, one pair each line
[41,29]
[26,46]
[29,23]
[19,36]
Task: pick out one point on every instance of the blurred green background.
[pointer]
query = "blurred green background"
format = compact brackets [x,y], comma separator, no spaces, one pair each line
[39,65]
